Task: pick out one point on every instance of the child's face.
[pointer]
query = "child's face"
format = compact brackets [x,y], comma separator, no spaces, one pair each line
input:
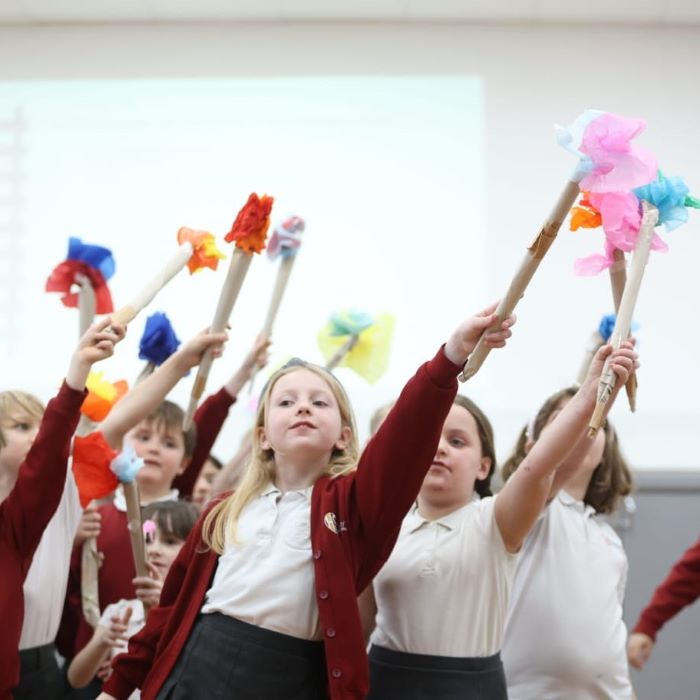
[19,430]
[303,418]
[202,487]
[162,550]
[458,462]
[162,449]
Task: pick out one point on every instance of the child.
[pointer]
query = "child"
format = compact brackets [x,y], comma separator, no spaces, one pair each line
[680,588]
[202,488]
[264,590]
[570,581]
[153,428]
[442,596]
[33,467]
[173,521]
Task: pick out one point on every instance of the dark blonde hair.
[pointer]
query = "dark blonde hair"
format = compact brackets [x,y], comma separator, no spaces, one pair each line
[19,403]
[220,524]
[488,448]
[170,416]
[611,479]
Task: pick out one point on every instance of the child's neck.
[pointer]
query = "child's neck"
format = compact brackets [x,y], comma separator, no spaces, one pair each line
[8,480]
[149,495]
[577,485]
[297,474]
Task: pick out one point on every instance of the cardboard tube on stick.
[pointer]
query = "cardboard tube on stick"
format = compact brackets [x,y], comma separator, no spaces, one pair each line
[623,320]
[525,272]
[238,269]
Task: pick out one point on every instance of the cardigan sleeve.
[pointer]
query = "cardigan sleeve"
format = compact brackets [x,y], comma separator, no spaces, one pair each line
[680,588]
[395,461]
[209,418]
[37,493]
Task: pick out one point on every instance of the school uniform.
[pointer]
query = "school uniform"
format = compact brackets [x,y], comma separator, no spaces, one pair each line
[565,637]
[25,514]
[40,675]
[442,599]
[353,522]
[117,571]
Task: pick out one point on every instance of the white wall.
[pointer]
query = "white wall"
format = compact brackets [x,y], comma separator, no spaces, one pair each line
[532,77]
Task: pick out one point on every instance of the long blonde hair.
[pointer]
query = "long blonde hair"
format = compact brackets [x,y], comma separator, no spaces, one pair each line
[221,523]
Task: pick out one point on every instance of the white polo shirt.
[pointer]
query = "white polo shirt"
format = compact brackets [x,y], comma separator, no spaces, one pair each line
[444,589]
[565,637]
[268,579]
[47,578]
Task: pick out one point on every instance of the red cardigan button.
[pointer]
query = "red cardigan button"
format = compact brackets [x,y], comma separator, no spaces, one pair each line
[336,673]
[323,595]
[317,553]
[330,632]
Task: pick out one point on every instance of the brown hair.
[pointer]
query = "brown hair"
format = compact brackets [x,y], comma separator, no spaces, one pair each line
[379,415]
[174,518]
[611,479]
[488,448]
[170,416]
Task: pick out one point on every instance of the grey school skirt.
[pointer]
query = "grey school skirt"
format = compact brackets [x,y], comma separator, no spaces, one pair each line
[226,659]
[396,675]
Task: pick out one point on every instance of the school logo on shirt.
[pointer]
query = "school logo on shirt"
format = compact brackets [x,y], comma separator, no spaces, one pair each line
[331,522]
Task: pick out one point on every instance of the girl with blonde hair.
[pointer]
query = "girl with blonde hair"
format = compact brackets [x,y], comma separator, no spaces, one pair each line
[261,601]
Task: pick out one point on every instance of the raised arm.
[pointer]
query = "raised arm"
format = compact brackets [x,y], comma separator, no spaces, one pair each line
[521,500]
[39,487]
[395,461]
[147,395]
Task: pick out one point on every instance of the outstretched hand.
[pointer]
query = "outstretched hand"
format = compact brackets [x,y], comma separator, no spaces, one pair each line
[622,361]
[192,352]
[97,343]
[464,339]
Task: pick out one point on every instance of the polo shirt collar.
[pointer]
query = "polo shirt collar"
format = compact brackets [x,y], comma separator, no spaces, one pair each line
[451,521]
[270,489]
[568,500]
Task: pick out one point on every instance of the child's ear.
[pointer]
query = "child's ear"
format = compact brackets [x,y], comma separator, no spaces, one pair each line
[183,465]
[342,442]
[262,438]
[484,468]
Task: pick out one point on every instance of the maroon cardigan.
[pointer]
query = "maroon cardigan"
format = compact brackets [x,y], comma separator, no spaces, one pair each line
[680,588]
[117,570]
[367,507]
[24,515]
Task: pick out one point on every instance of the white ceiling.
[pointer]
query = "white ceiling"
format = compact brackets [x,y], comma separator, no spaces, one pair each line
[652,12]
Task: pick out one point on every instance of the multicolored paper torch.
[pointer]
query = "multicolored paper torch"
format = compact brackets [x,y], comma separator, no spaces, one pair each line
[284,245]
[197,250]
[82,278]
[359,341]
[157,343]
[102,395]
[248,232]
[98,471]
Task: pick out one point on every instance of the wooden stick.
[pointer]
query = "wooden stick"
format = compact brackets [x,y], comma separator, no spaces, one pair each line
[147,293]
[623,321]
[618,277]
[525,272]
[596,340]
[342,351]
[86,303]
[240,262]
[135,525]
[283,272]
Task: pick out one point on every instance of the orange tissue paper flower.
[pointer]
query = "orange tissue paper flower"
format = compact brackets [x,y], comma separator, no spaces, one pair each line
[206,254]
[92,457]
[585,216]
[102,395]
[249,230]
